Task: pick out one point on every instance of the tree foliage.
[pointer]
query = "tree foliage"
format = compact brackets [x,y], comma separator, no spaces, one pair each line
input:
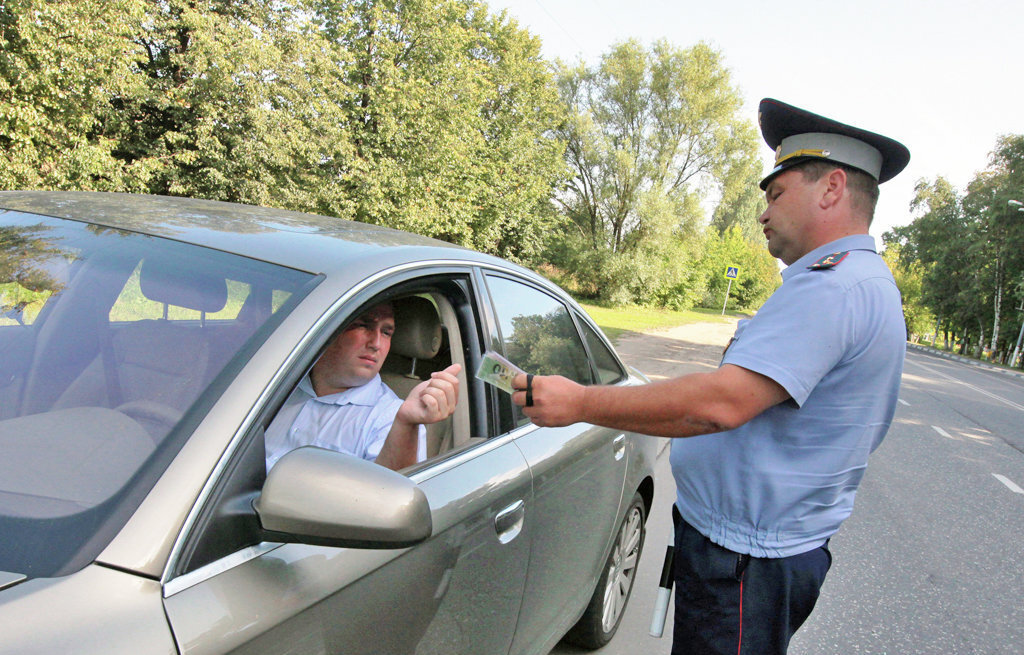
[61,64]
[966,249]
[428,115]
[758,271]
[433,116]
[649,135]
[450,111]
[909,276]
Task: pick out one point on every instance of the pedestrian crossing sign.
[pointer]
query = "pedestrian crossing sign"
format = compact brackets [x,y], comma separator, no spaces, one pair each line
[732,272]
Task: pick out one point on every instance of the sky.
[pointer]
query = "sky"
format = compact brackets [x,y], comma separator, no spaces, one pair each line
[944,78]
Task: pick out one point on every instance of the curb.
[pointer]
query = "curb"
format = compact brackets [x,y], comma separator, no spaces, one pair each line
[965,360]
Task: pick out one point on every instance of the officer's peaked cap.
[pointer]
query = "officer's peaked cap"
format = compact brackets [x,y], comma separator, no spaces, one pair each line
[797,135]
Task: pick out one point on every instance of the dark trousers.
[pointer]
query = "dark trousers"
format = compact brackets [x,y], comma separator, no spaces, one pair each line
[728,603]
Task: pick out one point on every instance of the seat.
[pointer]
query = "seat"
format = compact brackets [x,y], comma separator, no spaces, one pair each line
[415,345]
[154,363]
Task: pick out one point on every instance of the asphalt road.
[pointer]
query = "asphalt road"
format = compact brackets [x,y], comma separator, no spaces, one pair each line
[932,559]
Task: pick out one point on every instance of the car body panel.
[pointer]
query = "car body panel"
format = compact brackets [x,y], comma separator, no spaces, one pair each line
[98,610]
[457,592]
[578,474]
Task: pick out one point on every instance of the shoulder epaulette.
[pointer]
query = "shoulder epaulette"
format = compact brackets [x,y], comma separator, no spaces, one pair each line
[829,261]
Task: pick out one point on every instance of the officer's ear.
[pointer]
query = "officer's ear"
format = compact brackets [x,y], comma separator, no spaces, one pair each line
[833,188]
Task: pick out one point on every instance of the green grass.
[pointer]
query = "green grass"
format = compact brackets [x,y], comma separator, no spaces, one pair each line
[616,321]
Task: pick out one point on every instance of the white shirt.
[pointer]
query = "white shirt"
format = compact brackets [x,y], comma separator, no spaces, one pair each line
[355,421]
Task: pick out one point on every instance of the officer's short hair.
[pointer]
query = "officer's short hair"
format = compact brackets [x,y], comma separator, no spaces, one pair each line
[863,188]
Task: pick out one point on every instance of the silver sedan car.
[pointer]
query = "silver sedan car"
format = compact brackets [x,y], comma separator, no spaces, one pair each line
[147,344]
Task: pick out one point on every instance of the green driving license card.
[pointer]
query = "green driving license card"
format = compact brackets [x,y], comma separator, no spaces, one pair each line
[496,370]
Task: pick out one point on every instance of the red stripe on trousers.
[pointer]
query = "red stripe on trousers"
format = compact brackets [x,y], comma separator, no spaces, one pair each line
[739,645]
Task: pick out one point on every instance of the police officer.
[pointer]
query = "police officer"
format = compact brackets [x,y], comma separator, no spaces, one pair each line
[779,435]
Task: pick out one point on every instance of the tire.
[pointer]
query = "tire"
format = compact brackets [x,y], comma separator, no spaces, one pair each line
[604,612]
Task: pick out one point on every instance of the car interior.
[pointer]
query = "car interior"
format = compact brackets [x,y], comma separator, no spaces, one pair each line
[422,344]
[153,369]
[427,338]
[118,384]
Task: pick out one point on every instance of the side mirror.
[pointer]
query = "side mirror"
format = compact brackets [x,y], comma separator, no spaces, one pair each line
[325,498]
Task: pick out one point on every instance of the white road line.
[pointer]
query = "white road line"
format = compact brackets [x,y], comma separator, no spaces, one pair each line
[942,432]
[971,386]
[903,402]
[1009,483]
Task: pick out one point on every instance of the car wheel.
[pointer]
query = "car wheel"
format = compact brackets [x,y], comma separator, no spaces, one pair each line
[604,612]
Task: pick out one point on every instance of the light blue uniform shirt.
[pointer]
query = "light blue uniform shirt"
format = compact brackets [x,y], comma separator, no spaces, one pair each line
[356,421]
[835,339]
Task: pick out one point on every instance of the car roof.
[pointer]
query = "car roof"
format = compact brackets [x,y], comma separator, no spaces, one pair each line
[307,242]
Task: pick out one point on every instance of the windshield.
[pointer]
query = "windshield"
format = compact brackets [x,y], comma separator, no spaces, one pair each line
[112,348]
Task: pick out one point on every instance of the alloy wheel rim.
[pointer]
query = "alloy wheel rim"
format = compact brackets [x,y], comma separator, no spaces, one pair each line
[622,569]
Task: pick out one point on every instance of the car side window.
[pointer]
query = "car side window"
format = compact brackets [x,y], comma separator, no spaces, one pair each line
[537,332]
[433,329]
[424,336]
[606,366]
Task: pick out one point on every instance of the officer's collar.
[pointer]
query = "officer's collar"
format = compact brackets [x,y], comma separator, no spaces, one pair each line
[853,242]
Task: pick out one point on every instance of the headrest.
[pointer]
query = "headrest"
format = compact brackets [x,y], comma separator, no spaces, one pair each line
[182,285]
[417,328]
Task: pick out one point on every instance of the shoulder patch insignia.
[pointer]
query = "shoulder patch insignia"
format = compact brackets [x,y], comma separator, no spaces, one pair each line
[829,261]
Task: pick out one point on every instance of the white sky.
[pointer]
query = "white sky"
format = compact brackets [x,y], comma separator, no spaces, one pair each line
[946,78]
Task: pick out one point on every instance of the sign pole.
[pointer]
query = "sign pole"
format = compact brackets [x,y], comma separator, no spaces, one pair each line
[727,290]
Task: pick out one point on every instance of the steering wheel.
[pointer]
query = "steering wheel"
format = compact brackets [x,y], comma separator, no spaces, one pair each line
[156,418]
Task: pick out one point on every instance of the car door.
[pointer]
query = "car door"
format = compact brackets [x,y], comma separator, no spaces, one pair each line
[578,471]
[457,592]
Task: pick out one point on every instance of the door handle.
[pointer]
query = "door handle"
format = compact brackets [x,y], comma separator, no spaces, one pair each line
[619,446]
[508,523]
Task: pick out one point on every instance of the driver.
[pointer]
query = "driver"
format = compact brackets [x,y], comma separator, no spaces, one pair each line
[343,405]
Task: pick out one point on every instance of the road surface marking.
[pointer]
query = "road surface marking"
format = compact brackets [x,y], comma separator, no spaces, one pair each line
[903,402]
[942,432]
[1009,483]
[971,386]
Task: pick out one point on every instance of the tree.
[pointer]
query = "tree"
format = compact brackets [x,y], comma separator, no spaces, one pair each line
[427,115]
[238,105]
[934,241]
[742,200]
[758,276]
[650,133]
[60,63]
[451,112]
[909,276]
[1000,228]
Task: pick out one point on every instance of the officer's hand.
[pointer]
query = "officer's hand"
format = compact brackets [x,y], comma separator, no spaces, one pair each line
[549,400]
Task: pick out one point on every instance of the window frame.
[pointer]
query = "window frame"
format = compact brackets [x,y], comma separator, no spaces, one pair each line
[239,476]
[511,414]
